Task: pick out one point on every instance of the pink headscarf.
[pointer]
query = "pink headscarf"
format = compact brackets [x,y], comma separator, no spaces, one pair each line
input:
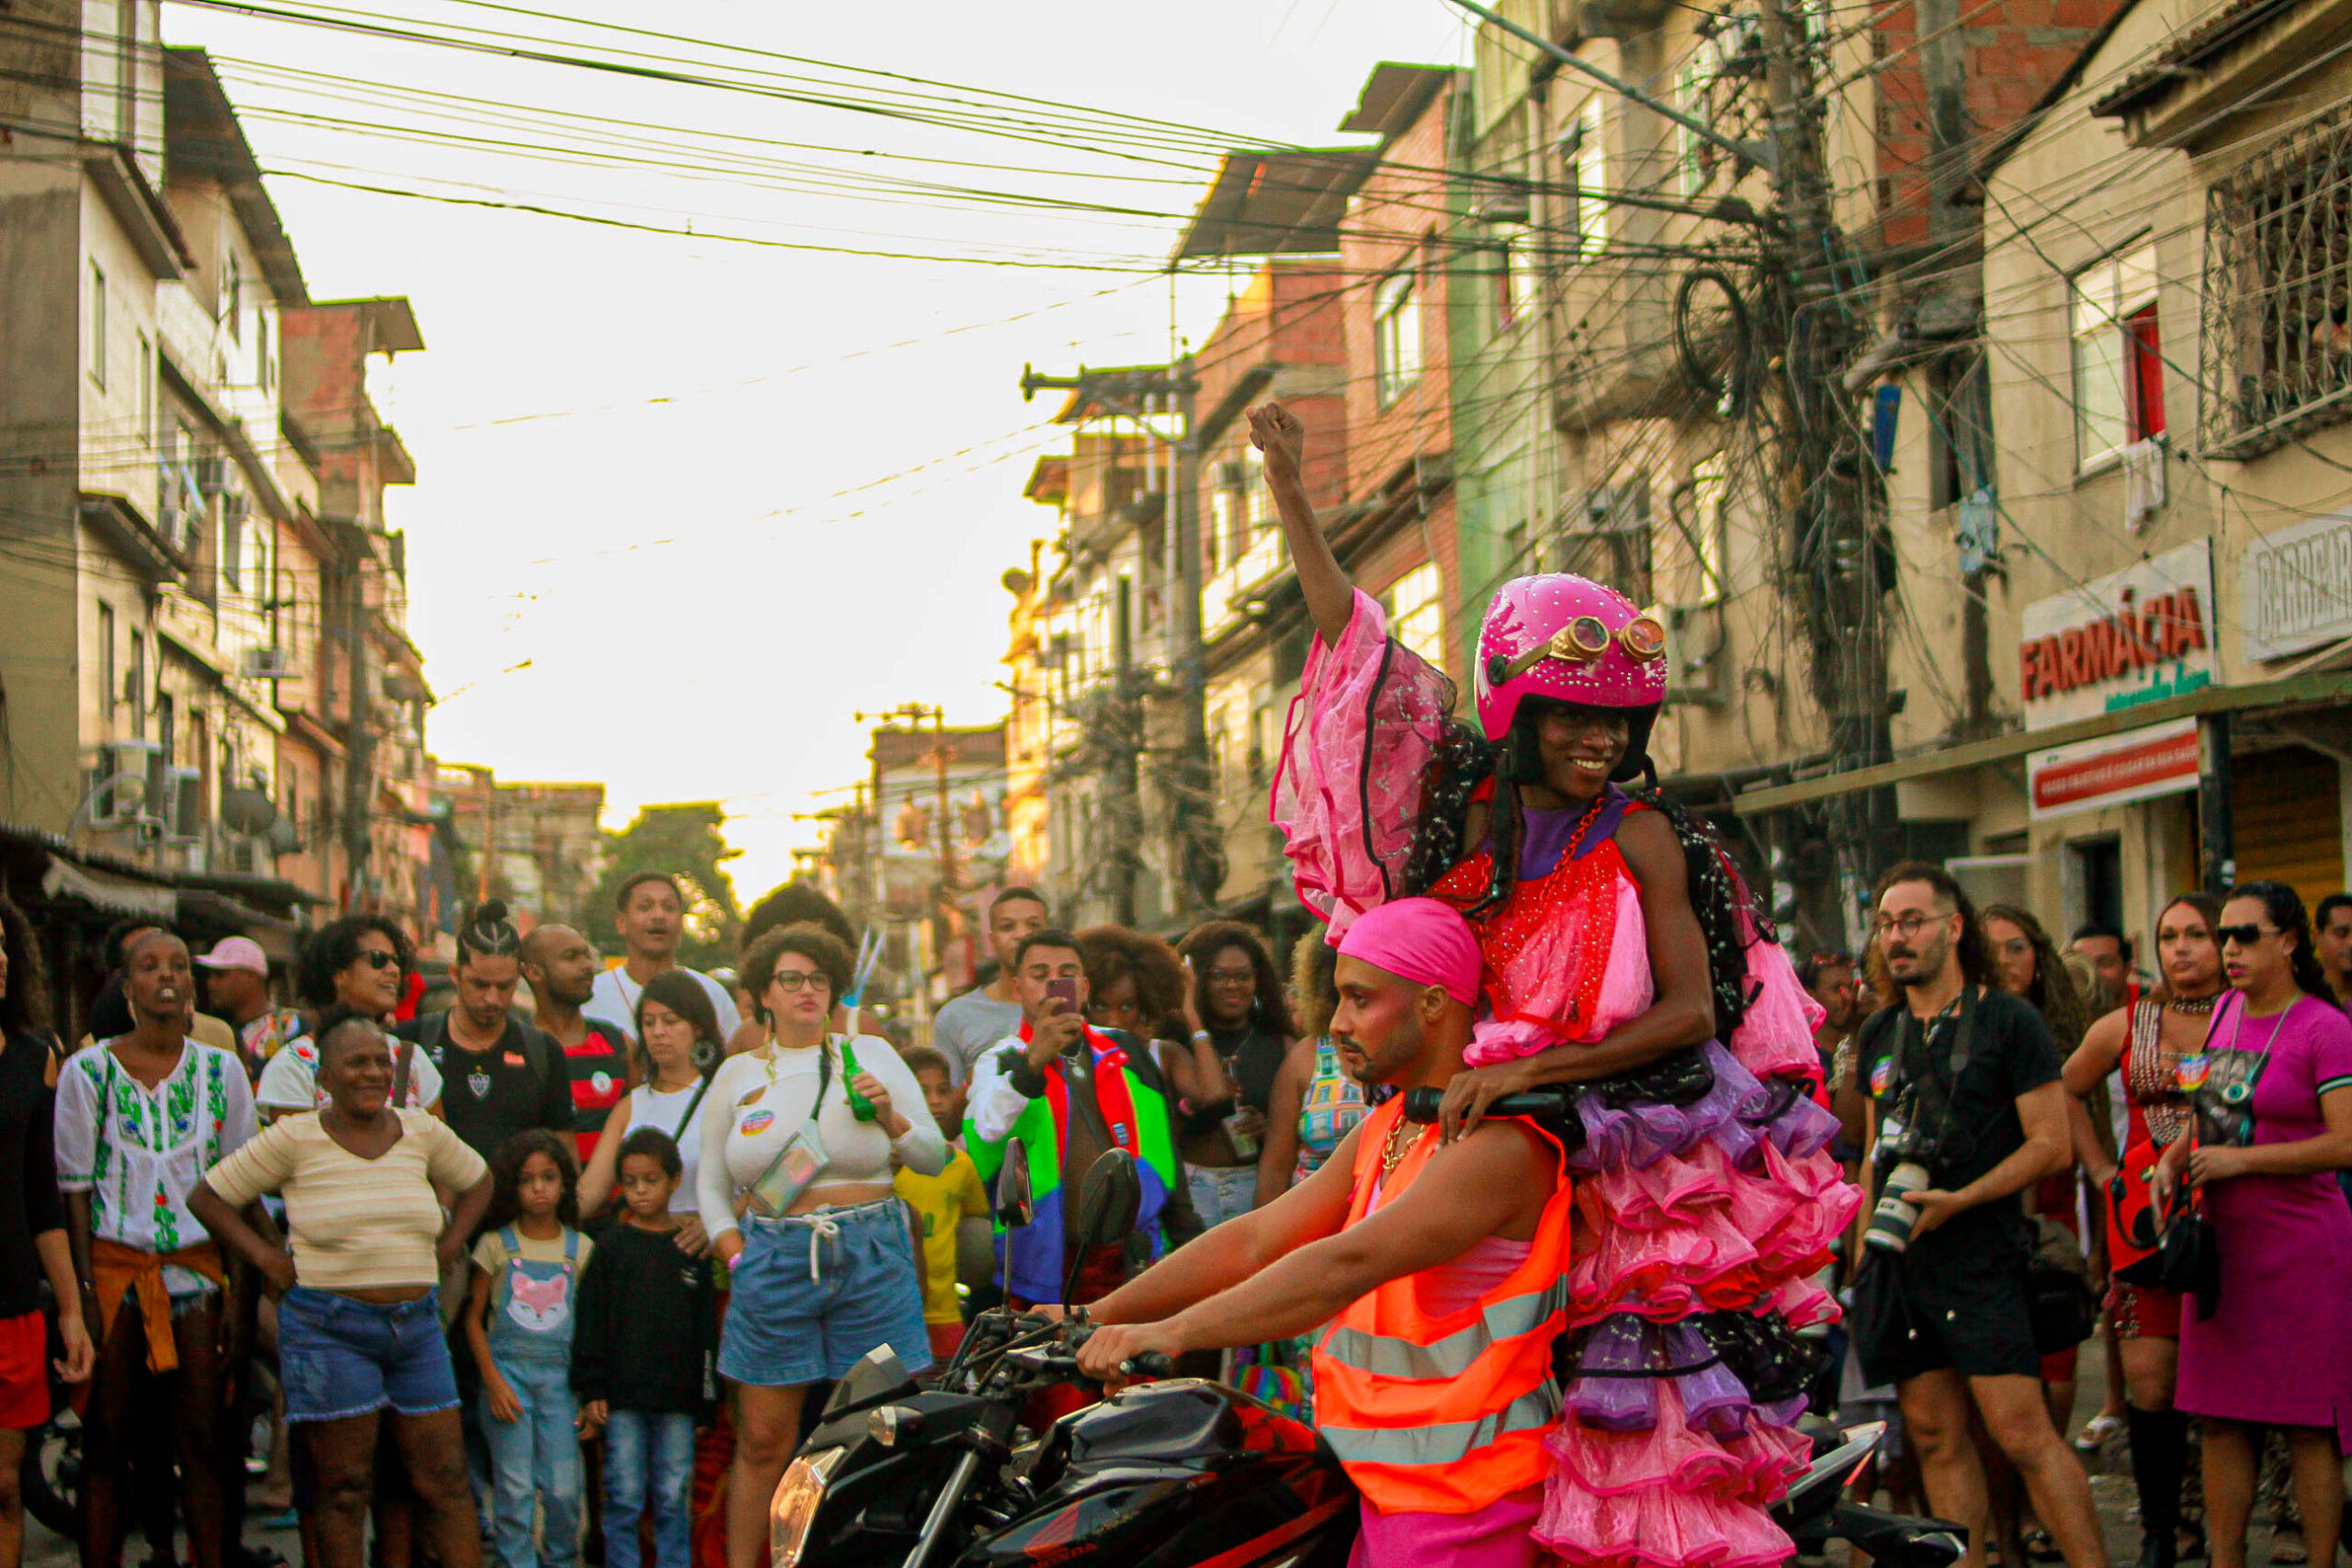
[1419,939]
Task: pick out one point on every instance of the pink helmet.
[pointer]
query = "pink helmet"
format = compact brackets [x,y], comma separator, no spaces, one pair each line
[1572,641]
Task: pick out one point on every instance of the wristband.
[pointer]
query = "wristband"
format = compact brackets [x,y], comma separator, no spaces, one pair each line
[1201,1035]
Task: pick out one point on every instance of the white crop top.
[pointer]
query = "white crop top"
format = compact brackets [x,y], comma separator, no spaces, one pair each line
[759,1099]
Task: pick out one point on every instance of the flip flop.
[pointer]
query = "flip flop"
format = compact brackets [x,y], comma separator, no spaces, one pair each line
[2097,1431]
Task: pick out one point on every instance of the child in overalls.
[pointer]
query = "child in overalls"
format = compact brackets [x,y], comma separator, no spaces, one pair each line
[526,1275]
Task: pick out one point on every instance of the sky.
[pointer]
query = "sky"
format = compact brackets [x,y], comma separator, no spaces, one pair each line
[686,506]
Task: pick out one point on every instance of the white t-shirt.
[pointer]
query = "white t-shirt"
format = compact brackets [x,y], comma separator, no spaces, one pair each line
[759,1099]
[616,994]
[289,1080]
[650,1107]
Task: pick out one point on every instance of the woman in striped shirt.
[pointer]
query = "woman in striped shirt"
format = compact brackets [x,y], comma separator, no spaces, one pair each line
[358,1315]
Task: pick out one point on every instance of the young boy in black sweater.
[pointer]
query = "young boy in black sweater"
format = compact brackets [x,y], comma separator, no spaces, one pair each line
[642,1354]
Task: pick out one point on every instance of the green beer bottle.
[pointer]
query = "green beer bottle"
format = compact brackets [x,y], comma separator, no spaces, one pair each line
[859,1106]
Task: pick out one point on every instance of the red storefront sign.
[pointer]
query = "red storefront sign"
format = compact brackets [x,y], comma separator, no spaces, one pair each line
[2139,765]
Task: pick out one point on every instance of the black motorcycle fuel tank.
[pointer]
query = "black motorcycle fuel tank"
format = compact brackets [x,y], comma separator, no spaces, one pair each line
[1176,1474]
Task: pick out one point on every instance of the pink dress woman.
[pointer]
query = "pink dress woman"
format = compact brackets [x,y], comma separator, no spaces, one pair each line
[1707,1197]
[2278,1346]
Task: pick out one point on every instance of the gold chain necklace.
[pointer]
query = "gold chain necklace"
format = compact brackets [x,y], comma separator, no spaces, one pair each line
[1391,1153]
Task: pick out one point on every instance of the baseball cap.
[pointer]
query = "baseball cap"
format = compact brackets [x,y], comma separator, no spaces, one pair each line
[237,953]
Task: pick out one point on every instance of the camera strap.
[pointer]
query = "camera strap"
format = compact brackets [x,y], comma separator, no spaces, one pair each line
[1931,1082]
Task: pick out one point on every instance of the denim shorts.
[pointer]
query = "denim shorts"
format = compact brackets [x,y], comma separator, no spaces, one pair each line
[339,1358]
[813,1293]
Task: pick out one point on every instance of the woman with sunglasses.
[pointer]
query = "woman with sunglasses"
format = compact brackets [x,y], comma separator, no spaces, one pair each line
[806,1132]
[2147,1042]
[359,962]
[2271,1105]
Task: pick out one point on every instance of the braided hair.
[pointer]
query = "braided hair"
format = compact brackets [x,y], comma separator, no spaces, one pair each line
[1462,760]
[488,933]
[1729,917]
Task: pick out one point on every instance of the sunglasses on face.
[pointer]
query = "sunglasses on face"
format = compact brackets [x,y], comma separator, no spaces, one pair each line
[377,958]
[2244,936]
[794,979]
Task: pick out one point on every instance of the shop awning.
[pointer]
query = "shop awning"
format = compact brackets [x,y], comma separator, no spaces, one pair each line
[64,879]
[2291,691]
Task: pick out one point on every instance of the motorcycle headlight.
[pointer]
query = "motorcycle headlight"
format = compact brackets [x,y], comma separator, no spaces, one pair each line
[794,1508]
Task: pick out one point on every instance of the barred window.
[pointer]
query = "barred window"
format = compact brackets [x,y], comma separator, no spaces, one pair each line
[2277,349]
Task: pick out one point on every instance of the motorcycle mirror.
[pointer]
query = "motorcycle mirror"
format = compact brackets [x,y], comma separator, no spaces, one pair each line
[1013,1205]
[1108,1202]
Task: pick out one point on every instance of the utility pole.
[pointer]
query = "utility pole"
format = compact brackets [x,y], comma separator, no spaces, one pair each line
[1839,559]
[1195,850]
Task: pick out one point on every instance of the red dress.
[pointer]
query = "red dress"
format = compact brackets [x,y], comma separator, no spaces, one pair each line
[2155,1111]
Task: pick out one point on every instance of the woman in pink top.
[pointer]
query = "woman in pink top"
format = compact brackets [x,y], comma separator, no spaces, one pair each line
[2273,1100]
[1621,953]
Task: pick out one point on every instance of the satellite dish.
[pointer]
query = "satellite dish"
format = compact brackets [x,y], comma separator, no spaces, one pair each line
[247,812]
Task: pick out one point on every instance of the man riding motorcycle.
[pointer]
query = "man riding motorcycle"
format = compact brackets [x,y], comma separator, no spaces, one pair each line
[1439,1270]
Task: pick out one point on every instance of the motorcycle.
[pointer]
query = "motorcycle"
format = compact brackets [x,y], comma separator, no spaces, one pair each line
[1178,1472]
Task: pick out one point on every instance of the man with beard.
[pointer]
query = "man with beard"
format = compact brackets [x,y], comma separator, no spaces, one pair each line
[1441,1433]
[651,917]
[499,1074]
[1956,1089]
[561,967]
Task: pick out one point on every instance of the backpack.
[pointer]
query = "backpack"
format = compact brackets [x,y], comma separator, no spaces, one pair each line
[432,1037]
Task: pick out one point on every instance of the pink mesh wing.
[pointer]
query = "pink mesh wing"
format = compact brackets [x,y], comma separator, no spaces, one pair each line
[1356,747]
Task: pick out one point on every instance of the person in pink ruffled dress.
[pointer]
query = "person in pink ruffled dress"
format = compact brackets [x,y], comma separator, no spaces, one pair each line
[1623,955]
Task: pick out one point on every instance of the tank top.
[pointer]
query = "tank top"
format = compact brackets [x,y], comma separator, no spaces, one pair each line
[1329,1110]
[2158,1109]
[649,1106]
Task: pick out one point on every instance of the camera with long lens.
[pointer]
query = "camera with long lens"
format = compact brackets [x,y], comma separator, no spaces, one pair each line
[1905,1158]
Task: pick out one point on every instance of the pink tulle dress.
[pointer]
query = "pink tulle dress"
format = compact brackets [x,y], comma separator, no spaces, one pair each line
[1699,1219]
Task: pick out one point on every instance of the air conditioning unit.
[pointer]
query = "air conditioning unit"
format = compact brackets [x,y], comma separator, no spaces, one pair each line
[119,794]
[212,474]
[266,664]
[1230,475]
[182,808]
[235,506]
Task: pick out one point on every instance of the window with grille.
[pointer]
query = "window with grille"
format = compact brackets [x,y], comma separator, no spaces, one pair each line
[1416,607]
[2119,367]
[1396,334]
[2278,349]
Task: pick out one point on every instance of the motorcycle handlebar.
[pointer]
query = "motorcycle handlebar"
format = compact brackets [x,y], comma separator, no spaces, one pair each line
[1150,1364]
[1421,1104]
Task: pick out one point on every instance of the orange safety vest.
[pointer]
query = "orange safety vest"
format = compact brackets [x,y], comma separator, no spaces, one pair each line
[1445,1413]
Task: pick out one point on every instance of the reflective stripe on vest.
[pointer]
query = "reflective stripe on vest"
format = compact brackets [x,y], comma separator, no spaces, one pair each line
[1444,1412]
[1390,1357]
[1448,1442]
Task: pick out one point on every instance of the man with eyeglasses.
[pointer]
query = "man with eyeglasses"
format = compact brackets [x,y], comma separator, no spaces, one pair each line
[1956,1093]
